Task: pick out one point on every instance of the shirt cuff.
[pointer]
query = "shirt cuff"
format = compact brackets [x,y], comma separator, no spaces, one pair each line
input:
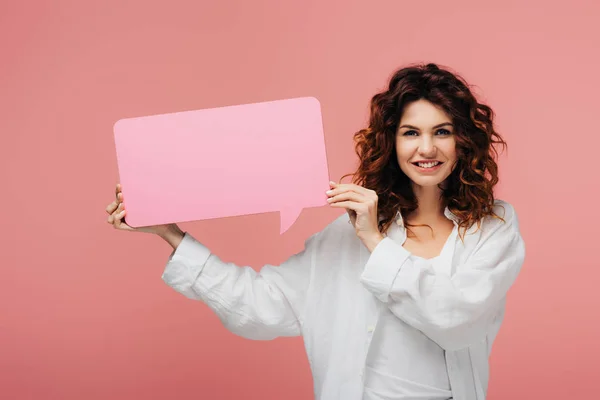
[382,268]
[186,262]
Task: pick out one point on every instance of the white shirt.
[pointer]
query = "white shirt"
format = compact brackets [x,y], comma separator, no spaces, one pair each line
[336,294]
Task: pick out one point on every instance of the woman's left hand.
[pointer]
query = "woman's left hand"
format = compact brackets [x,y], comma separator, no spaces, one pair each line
[361,205]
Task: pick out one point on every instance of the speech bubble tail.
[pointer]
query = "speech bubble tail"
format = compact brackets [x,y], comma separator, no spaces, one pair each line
[287,219]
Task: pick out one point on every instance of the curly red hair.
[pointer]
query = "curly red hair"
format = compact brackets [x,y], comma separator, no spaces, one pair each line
[468,191]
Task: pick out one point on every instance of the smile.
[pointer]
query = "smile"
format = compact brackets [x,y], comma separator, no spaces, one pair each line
[428,166]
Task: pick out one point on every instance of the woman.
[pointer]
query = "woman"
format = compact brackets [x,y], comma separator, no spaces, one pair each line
[402,296]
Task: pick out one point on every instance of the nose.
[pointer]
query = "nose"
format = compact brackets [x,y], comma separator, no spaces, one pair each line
[426,146]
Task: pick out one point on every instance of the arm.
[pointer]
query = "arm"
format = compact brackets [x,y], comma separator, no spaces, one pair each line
[255,305]
[454,311]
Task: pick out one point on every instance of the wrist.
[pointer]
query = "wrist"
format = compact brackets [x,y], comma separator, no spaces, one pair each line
[371,241]
[173,235]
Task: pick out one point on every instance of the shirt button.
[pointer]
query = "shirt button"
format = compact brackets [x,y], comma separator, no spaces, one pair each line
[370,329]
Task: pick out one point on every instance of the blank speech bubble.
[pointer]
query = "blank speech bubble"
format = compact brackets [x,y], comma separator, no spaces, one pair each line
[223,162]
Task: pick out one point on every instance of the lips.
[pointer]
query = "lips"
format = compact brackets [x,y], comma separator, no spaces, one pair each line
[427,164]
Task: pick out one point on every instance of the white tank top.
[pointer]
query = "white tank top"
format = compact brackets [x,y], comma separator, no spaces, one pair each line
[404,363]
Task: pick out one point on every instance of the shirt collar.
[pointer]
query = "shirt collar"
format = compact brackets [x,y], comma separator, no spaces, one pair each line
[447,213]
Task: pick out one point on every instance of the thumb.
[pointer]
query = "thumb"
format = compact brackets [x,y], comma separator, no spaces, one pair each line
[352,215]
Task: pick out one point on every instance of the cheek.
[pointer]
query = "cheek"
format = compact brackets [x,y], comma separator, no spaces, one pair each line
[402,152]
[449,150]
[403,158]
[451,154]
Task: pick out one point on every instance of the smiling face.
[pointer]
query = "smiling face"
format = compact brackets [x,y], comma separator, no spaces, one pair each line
[425,143]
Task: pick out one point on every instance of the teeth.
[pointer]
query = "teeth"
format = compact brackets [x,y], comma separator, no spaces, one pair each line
[428,165]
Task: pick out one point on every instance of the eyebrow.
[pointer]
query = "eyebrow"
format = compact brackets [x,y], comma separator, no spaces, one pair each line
[435,127]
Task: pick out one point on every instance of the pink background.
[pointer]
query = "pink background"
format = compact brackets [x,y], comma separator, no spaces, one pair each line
[83,311]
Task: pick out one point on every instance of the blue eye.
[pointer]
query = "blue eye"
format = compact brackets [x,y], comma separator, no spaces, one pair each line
[443,132]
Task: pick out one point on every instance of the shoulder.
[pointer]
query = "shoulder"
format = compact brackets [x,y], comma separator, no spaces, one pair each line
[504,219]
[505,210]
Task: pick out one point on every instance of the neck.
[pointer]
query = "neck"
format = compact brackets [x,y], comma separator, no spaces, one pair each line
[431,205]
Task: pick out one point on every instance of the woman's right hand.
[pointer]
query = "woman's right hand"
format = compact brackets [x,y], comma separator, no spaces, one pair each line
[116,217]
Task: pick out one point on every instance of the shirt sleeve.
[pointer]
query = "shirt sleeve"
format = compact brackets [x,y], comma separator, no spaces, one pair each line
[256,305]
[454,311]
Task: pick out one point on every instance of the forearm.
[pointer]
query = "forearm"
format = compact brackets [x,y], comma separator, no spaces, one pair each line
[173,235]
[259,305]
[453,310]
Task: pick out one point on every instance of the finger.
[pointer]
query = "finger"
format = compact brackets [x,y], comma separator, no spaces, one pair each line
[118,216]
[118,190]
[122,224]
[121,214]
[350,187]
[114,215]
[112,207]
[339,190]
[350,205]
[352,196]
[345,185]
[352,215]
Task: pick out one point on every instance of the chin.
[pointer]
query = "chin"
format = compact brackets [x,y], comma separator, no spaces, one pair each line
[433,182]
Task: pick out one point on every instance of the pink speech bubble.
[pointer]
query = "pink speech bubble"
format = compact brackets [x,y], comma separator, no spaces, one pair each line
[221,162]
